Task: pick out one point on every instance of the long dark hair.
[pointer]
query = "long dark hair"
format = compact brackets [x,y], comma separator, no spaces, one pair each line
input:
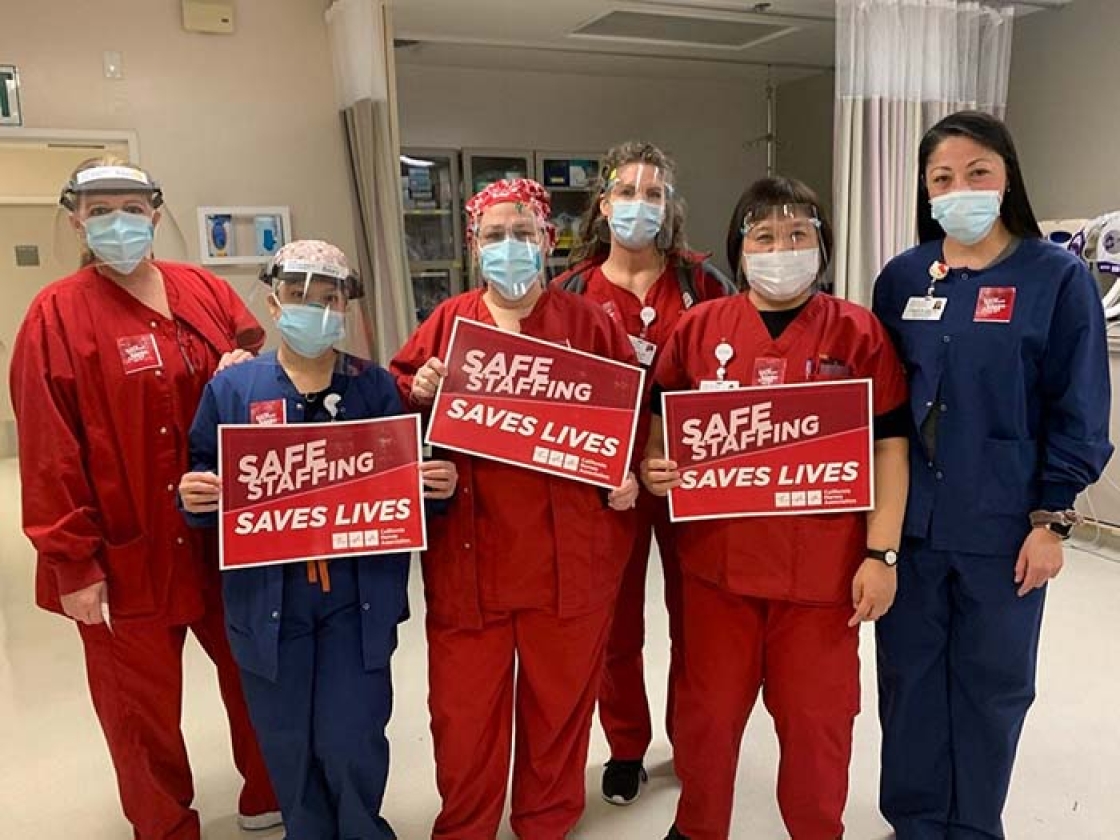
[764,194]
[1015,211]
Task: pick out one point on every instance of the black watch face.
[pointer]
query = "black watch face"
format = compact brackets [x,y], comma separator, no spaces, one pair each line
[1062,530]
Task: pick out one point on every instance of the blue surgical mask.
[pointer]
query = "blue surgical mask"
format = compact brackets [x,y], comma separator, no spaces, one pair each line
[120,240]
[511,267]
[966,215]
[636,223]
[310,330]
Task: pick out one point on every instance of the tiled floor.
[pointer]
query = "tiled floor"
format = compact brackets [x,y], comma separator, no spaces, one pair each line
[56,781]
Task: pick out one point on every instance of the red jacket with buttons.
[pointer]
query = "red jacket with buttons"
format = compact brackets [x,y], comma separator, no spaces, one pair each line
[589,540]
[104,391]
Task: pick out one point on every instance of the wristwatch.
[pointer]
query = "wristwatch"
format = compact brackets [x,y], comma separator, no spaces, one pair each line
[1059,523]
[888,557]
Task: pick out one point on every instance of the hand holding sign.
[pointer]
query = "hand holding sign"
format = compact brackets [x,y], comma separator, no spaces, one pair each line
[660,475]
[200,492]
[440,478]
[426,382]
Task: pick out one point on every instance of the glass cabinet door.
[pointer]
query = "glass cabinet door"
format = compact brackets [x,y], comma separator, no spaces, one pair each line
[432,199]
[485,166]
[570,179]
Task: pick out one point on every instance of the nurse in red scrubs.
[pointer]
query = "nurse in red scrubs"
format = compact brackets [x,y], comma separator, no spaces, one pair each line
[521,574]
[774,603]
[107,371]
[634,262]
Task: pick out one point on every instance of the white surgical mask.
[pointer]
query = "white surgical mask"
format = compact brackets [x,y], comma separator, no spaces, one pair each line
[782,276]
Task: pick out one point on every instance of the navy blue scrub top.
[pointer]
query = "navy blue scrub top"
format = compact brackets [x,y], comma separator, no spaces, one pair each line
[1023,406]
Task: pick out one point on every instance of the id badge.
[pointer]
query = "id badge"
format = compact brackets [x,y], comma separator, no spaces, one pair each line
[719,385]
[268,412]
[769,371]
[644,350]
[924,308]
[995,304]
[139,352]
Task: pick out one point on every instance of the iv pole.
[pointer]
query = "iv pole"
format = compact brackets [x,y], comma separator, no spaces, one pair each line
[770,138]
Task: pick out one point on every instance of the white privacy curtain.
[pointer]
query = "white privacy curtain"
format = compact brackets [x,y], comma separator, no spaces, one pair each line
[902,65]
[361,40]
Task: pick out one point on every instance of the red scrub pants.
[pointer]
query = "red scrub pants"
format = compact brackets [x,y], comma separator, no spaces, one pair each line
[805,659]
[526,665]
[623,703]
[135,677]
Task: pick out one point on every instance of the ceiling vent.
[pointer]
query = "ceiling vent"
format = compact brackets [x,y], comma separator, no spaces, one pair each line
[684,28]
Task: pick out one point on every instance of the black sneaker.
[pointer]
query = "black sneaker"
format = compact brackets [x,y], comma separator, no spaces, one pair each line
[675,835]
[623,780]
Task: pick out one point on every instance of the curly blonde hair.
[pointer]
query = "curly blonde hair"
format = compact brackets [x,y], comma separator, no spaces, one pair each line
[595,234]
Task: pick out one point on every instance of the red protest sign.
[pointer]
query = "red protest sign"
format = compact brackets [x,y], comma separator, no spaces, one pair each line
[319,490]
[538,405]
[787,449]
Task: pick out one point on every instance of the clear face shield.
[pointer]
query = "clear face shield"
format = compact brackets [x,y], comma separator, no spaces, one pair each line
[511,249]
[115,211]
[312,300]
[783,252]
[638,198]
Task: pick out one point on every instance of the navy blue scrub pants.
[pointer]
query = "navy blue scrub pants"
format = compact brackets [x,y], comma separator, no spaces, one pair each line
[321,725]
[956,656]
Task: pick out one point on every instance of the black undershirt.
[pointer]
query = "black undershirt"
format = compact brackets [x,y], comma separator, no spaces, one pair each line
[316,411]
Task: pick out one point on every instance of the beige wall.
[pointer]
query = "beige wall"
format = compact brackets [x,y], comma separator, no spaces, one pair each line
[805,132]
[243,119]
[1062,112]
[704,123]
[248,118]
[1062,108]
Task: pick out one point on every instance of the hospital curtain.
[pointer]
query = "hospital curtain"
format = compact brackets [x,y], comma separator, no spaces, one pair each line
[902,65]
[361,40]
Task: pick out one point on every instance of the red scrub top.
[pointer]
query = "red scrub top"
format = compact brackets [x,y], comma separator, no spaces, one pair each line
[512,538]
[104,391]
[664,297]
[625,308]
[805,559]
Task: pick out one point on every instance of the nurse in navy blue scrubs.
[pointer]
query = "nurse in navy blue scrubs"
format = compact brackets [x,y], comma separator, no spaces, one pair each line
[1003,338]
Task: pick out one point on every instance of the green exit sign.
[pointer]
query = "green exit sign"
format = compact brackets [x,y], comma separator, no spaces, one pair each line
[9,96]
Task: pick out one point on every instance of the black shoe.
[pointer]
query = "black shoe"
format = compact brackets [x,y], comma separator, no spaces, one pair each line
[623,780]
[675,835]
